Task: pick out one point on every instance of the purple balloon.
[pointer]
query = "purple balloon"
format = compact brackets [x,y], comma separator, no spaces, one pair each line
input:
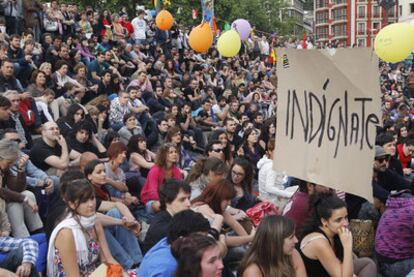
[242,26]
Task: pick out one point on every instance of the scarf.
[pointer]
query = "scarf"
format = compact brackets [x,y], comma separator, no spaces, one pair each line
[80,241]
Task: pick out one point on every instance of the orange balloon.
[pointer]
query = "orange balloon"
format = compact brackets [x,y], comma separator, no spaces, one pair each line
[201,38]
[164,20]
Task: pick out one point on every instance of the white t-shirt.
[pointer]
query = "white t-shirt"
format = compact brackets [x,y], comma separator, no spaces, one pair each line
[140,26]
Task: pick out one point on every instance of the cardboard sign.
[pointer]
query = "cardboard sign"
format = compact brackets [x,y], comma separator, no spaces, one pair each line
[328,109]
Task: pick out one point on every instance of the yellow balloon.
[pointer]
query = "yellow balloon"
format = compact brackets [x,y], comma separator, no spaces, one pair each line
[229,44]
[395,42]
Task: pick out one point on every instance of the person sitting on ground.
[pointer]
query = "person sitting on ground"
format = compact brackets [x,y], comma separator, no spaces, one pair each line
[140,158]
[298,208]
[77,244]
[74,115]
[121,241]
[205,171]
[159,261]
[131,127]
[326,244]
[273,252]
[197,255]
[115,175]
[82,139]
[271,182]
[165,168]
[21,203]
[174,198]
[393,247]
[50,152]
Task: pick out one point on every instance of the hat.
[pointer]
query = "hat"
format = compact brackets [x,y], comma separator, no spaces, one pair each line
[379,152]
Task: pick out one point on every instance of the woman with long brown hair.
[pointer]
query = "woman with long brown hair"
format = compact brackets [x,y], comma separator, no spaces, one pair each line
[165,168]
[273,252]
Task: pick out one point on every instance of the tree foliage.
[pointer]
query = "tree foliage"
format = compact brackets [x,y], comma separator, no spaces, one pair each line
[265,15]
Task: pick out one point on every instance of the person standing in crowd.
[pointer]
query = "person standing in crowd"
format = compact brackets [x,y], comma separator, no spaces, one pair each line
[140,27]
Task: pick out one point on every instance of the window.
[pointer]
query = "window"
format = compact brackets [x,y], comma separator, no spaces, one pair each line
[321,3]
[361,42]
[412,8]
[339,14]
[376,11]
[339,30]
[361,28]
[361,11]
[322,17]
[375,26]
[322,33]
[391,12]
[400,10]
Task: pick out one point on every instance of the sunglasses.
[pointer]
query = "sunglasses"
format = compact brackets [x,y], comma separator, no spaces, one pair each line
[382,159]
[17,140]
[217,150]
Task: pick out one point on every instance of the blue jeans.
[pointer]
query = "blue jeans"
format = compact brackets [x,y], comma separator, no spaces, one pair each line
[41,257]
[122,243]
[397,269]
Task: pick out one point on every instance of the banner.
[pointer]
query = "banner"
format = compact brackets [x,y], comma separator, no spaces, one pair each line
[207,7]
[328,110]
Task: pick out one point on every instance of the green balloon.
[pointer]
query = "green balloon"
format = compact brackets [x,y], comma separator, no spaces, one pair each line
[227,26]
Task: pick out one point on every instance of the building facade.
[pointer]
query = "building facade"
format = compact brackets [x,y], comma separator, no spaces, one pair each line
[351,22]
[295,9]
[405,10]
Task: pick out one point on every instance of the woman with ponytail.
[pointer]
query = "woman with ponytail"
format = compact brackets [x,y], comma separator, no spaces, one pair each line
[326,245]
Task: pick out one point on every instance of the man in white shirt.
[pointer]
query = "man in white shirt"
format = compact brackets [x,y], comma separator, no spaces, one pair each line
[140,27]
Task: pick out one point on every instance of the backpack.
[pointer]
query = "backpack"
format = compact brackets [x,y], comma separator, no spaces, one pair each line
[25,110]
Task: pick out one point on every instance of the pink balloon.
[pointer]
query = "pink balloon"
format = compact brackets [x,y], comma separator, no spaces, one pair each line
[242,26]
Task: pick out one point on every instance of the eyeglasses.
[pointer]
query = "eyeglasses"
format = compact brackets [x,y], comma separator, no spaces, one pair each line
[237,173]
[217,150]
[17,140]
[382,159]
[53,129]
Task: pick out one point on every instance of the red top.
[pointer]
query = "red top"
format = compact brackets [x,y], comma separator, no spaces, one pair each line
[156,176]
[405,160]
[297,209]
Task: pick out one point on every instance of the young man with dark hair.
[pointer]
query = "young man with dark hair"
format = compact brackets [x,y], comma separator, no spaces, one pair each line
[215,149]
[7,80]
[387,141]
[5,112]
[405,151]
[159,260]
[174,198]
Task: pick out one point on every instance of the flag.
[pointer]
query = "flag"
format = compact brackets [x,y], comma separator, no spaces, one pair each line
[213,19]
[305,41]
[157,5]
[273,56]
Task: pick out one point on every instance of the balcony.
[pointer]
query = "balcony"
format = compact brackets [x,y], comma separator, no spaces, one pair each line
[338,5]
[339,19]
[339,36]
